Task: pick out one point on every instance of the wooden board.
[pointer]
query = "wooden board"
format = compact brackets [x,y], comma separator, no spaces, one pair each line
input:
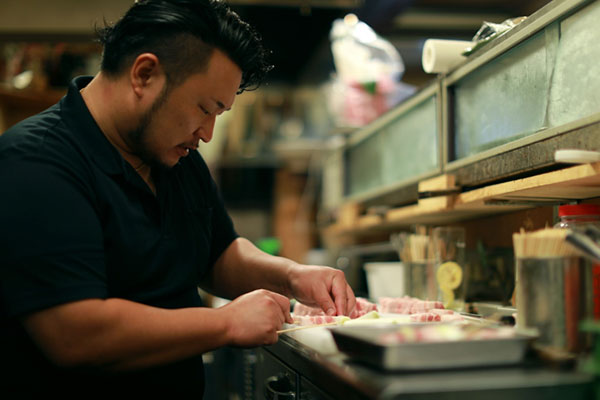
[578,182]
[441,182]
[574,183]
[348,214]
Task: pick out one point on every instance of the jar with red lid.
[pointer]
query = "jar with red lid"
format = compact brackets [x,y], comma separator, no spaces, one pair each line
[579,217]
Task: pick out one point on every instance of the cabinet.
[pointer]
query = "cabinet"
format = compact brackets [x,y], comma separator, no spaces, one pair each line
[311,374]
[277,380]
[274,380]
[308,391]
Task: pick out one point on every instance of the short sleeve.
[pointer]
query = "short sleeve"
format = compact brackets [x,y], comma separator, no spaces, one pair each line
[51,242]
[206,194]
[223,229]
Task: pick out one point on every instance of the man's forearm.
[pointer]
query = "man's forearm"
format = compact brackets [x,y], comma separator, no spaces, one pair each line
[243,267]
[118,334]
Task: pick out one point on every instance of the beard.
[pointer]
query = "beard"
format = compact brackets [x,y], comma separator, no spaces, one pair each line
[138,138]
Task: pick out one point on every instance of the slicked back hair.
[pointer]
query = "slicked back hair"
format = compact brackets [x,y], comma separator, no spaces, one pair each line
[183,35]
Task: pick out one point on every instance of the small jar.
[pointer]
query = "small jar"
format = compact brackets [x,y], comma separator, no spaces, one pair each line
[578,216]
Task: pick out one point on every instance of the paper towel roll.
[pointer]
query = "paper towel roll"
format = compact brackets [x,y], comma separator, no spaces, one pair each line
[440,55]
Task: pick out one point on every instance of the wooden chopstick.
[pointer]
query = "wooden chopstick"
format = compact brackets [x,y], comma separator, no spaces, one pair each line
[297,328]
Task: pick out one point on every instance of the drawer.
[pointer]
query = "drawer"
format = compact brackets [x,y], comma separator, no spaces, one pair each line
[273,379]
[308,391]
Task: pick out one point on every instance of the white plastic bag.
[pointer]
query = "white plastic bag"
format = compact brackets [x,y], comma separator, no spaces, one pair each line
[368,72]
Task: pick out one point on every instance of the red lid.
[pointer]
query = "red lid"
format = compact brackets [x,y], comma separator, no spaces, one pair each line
[579,209]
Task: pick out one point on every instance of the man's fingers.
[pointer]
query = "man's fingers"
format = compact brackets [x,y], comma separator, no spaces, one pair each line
[338,299]
[338,289]
[344,300]
[351,300]
[324,300]
[284,304]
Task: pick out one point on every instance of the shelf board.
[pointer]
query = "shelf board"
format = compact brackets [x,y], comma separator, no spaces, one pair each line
[16,105]
[574,183]
[578,182]
[28,97]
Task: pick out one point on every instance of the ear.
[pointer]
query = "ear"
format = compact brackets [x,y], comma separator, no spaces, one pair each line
[146,74]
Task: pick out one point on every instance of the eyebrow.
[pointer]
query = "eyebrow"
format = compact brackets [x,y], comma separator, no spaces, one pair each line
[221,105]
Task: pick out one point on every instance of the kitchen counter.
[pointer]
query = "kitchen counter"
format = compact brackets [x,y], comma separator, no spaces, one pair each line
[336,377]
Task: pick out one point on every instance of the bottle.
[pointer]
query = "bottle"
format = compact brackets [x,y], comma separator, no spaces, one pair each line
[578,217]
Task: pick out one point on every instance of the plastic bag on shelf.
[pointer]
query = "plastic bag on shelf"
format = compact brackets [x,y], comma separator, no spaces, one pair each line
[368,72]
[490,30]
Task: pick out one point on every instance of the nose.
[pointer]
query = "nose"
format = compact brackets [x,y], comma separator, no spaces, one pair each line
[205,131]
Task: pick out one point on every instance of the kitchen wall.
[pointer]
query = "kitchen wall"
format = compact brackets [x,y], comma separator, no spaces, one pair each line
[57,16]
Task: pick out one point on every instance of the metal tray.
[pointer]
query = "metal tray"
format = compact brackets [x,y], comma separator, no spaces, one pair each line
[364,344]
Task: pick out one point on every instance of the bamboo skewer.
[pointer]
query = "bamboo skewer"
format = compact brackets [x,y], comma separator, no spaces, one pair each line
[544,243]
[297,328]
[412,247]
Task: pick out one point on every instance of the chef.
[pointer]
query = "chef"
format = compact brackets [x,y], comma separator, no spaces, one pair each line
[110,220]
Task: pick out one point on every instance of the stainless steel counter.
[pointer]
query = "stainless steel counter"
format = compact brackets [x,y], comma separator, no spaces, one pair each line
[337,377]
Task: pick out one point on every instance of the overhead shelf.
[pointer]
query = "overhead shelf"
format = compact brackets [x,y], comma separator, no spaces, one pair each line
[499,115]
[578,182]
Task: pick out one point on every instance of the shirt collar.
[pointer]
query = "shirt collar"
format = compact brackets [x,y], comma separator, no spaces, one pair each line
[78,116]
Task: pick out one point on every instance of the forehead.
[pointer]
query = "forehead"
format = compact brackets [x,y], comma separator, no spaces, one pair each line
[219,82]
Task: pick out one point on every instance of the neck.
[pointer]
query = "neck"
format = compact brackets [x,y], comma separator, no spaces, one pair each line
[109,108]
[145,171]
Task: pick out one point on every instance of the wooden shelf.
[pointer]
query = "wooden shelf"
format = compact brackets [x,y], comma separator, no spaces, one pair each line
[16,105]
[578,182]
[30,97]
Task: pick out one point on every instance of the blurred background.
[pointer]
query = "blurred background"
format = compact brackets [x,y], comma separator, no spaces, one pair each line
[277,155]
[266,152]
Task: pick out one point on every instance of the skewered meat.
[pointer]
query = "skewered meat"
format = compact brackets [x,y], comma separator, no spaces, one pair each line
[317,319]
[302,309]
[414,309]
[362,307]
[442,311]
[425,317]
[407,305]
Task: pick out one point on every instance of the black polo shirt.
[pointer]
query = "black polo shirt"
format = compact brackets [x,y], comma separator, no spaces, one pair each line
[77,222]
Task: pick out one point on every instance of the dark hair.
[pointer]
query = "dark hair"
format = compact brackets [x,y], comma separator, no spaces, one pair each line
[183,35]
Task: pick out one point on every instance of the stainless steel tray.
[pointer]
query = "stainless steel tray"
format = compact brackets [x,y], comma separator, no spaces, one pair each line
[365,344]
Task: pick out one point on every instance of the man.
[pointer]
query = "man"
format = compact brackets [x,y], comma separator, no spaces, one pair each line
[109,218]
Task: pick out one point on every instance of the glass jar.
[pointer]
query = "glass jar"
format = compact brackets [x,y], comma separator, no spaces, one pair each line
[578,217]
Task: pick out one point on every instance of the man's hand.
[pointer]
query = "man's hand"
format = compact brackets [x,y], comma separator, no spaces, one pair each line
[254,318]
[323,287]
[243,268]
